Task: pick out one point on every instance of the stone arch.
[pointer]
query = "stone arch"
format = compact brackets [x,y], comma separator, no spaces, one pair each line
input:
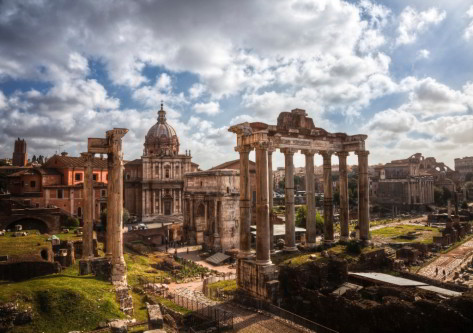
[30,223]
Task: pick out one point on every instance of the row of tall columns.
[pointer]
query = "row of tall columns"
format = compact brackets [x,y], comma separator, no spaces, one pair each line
[264,239]
[245,202]
[290,236]
[88,195]
[110,221]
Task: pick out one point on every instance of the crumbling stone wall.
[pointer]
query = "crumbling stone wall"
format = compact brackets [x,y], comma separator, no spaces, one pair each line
[19,271]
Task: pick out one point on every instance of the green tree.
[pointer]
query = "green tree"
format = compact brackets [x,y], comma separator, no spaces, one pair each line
[103,216]
[301,219]
[72,222]
[282,184]
[336,197]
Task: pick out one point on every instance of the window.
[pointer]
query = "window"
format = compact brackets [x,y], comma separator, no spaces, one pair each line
[33,183]
[167,173]
[79,211]
[78,176]
[60,194]
[94,177]
[128,176]
[103,193]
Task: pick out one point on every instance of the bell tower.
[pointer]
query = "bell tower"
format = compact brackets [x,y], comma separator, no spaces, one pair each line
[20,155]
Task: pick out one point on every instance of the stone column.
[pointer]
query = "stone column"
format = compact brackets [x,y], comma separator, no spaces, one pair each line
[290,237]
[115,204]
[180,202]
[206,214]
[245,202]
[153,202]
[191,205]
[160,201]
[363,196]
[310,198]
[344,211]
[88,199]
[110,207]
[216,235]
[262,205]
[270,197]
[328,202]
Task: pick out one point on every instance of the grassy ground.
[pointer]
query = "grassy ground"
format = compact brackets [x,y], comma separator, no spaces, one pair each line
[227,285]
[63,302]
[394,234]
[29,245]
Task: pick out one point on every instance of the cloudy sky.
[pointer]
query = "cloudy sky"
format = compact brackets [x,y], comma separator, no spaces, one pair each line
[399,71]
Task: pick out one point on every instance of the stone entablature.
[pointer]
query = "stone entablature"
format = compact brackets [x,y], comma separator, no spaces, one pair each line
[211,204]
[294,132]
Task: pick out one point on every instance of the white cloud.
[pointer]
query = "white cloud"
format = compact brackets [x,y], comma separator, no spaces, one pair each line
[196,90]
[412,23]
[423,54]
[210,108]
[468,34]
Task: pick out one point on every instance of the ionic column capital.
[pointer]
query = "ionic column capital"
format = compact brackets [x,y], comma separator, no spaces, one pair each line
[342,154]
[88,157]
[288,151]
[326,154]
[362,153]
[243,149]
[309,152]
[263,145]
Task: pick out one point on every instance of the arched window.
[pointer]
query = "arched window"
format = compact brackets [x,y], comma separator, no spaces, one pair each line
[79,211]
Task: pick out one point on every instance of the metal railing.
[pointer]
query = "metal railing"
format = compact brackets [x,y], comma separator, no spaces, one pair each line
[292,317]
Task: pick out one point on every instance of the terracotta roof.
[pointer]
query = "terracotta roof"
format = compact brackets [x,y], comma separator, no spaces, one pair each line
[227,164]
[74,162]
[134,162]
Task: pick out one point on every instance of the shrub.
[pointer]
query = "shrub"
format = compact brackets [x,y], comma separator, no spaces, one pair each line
[354,247]
[72,222]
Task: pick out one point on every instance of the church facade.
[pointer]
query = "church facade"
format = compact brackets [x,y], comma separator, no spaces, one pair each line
[154,184]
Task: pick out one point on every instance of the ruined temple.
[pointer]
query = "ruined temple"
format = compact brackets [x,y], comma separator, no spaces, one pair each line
[294,132]
[409,183]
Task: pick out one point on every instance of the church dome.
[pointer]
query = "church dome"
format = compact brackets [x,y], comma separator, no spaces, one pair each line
[161,138]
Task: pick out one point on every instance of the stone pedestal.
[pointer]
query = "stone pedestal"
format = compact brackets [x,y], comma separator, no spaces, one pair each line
[155,317]
[258,281]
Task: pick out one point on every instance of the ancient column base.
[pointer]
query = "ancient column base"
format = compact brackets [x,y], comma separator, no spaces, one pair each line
[124,299]
[328,242]
[119,273]
[290,249]
[263,262]
[245,255]
[310,246]
[85,267]
[258,281]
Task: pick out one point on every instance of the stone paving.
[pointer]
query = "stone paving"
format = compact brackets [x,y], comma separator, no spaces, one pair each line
[450,262]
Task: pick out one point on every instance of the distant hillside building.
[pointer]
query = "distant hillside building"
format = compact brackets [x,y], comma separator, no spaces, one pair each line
[20,153]
[59,183]
[464,166]
[154,184]
[404,184]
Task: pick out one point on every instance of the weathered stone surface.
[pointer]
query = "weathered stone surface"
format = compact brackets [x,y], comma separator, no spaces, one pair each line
[119,326]
[155,317]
